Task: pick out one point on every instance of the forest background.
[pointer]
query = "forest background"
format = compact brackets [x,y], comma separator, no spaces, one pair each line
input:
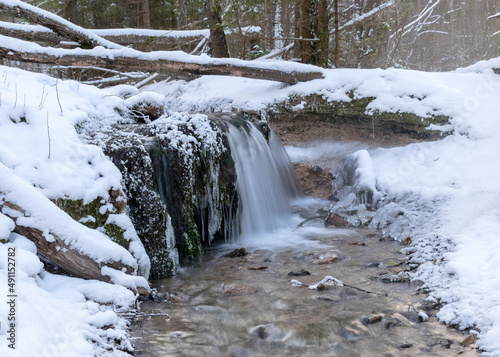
[430,35]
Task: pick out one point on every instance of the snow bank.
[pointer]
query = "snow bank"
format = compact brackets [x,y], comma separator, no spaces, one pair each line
[61,316]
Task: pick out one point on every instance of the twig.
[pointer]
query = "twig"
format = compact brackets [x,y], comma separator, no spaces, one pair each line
[41,100]
[48,131]
[365,291]
[15,103]
[57,95]
[309,219]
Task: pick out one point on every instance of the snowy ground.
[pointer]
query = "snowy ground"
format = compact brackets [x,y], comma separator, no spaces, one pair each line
[444,195]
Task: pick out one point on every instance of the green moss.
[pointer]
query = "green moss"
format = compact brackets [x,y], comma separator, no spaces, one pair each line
[116,234]
[4,241]
[89,214]
[355,111]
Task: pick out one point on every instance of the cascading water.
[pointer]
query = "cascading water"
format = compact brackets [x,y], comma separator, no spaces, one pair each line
[265,179]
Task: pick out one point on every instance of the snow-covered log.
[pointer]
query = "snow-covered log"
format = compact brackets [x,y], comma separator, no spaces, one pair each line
[165,62]
[60,26]
[69,245]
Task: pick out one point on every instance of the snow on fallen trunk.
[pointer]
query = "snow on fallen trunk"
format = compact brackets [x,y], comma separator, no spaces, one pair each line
[158,61]
[74,248]
[56,23]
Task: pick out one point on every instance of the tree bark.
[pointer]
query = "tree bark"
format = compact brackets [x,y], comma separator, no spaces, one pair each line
[337,34]
[146,20]
[323,33]
[217,35]
[120,62]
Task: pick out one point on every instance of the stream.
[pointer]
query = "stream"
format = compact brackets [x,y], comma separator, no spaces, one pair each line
[247,306]
[252,295]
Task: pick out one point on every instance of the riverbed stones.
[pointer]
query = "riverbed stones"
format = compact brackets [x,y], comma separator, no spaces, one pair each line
[468,340]
[371,319]
[300,272]
[327,259]
[237,289]
[239,252]
[335,220]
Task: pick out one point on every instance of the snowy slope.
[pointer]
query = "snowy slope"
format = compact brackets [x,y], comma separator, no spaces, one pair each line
[444,195]
[43,157]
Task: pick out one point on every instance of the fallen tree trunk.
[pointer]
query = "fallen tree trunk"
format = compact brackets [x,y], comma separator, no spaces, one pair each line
[29,33]
[43,35]
[158,65]
[63,28]
[56,251]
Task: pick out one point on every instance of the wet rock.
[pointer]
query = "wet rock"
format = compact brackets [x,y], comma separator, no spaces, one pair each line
[390,324]
[328,299]
[445,343]
[393,278]
[404,345]
[240,252]
[300,272]
[314,180]
[468,340]
[321,287]
[329,259]
[362,244]
[269,332]
[336,221]
[263,267]
[371,319]
[237,289]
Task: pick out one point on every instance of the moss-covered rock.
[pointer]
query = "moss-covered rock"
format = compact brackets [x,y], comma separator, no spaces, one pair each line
[350,119]
[95,214]
[147,210]
[180,182]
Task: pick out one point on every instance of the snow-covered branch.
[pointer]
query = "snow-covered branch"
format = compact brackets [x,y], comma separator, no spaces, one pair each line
[364,16]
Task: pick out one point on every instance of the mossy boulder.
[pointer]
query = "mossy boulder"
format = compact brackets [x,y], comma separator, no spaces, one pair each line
[349,119]
[180,182]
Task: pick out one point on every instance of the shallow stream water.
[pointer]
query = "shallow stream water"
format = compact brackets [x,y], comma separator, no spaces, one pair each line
[247,306]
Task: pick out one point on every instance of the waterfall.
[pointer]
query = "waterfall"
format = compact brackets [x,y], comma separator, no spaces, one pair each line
[265,182]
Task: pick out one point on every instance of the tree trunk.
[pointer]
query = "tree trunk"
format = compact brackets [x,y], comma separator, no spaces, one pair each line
[323,33]
[146,21]
[337,34]
[217,35]
[69,10]
[306,31]
[182,14]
